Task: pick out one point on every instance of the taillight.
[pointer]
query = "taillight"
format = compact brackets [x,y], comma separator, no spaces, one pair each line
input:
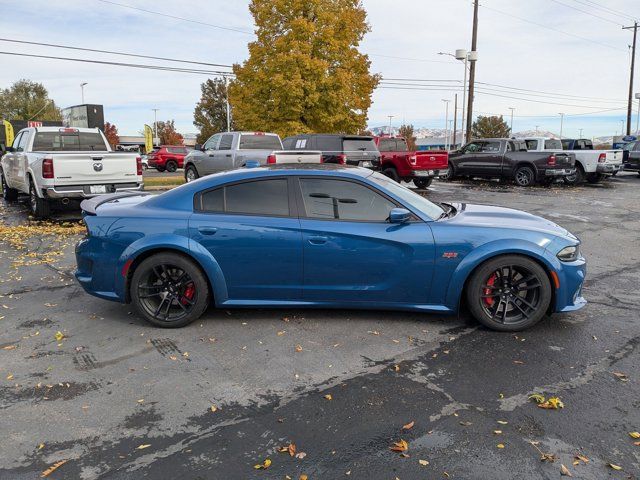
[271,159]
[342,159]
[551,161]
[413,159]
[139,165]
[47,167]
[602,158]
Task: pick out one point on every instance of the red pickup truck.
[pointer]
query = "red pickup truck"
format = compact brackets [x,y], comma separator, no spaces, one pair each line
[400,164]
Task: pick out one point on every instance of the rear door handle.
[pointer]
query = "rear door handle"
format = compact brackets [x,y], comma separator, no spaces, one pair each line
[318,240]
[228,155]
[207,230]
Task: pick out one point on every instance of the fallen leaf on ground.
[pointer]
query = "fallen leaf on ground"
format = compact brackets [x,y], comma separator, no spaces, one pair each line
[53,468]
[637,444]
[547,457]
[173,357]
[465,424]
[396,368]
[9,347]
[281,332]
[298,348]
[301,455]
[615,467]
[554,403]
[502,422]
[634,434]
[424,463]
[536,397]
[582,458]
[303,477]
[50,304]
[621,376]
[141,400]
[263,466]
[41,446]
[410,425]
[500,445]
[328,396]
[565,471]
[401,446]
[374,332]
[59,335]
[143,446]
[214,408]
[10,376]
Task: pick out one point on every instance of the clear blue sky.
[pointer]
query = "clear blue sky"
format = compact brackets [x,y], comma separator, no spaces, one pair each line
[550,47]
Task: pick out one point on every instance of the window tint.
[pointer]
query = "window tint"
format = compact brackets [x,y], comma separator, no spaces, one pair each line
[212,143]
[344,200]
[225,142]
[566,144]
[328,143]
[473,147]
[92,142]
[177,150]
[264,197]
[56,142]
[491,147]
[289,143]
[16,142]
[553,144]
[532,144]
[387,145]
[259,142]
[359,145]
[213,201]
[401,145]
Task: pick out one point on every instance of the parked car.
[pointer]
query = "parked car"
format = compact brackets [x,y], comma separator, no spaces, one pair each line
[59,164]
[230,150]
[401,164]
[167,157]
[509,159]
[324,236]
[145,162]
[591,165]
[631,157]
[356,150]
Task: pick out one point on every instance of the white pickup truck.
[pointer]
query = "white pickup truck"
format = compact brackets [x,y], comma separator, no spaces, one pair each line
[60,164]
[591,165]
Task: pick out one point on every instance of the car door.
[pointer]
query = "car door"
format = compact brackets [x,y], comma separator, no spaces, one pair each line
[9,163]
[352,253]
[205,160]
[467,162]
[634,155]
[252,231]
[223,158]
[21,162]
[491,158]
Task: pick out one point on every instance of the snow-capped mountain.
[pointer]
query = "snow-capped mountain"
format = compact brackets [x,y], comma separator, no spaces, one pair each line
[418,132]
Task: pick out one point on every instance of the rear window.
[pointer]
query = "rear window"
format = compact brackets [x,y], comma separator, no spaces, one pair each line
[68,142]
[178,150]
[553,144]
[259,142]
[357,144]
[387,145]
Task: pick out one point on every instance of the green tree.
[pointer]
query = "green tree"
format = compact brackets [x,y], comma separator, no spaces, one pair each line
[490,127]
[167,133]
[406,131]
[210,114]
[27,100]
[304,72]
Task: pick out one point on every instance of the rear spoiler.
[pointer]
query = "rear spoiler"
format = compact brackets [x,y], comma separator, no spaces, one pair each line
[90,205]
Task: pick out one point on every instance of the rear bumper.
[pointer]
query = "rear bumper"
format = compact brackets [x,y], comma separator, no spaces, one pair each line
[84,191]
[557,172]
[608,168]
[631,167]
[425,173]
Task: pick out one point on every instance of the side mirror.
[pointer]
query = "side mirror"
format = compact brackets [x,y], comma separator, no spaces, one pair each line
[399,215]
[7,149]
[198,147]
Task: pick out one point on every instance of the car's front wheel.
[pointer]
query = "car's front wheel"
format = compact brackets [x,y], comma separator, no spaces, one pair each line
[172,166]
[509,293]
[169,290]
[422,182]
[9,194]
[191,174]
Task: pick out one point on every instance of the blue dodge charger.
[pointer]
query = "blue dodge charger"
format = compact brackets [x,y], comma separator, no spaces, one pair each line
[324,236]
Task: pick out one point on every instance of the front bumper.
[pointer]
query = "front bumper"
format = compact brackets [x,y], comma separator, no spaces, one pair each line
[572,276]
[608,168]
[85,191]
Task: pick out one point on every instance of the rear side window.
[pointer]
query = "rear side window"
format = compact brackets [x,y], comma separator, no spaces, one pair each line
[254,141]
[262,197]
[401,145]
[177,150]
[553,144]
[289,143]
[225,142]
[532,144]
[68,142]
[343,200]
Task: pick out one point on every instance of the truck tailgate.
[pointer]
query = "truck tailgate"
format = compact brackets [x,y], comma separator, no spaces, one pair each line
[614,156]
[298,156]
[97,168]
[565,160]
[435,160]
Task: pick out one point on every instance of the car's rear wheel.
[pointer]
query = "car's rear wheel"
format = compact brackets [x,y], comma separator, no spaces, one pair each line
[577,177]
[191,174]
[9,194]
[525,176]
[422,182]
[171,166]
[449,174]
[169,290]
[40,207]
[392,173]
[160,169]
[594,178]
[509,293]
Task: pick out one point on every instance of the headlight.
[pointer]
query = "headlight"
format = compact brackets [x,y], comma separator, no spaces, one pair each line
[569,254]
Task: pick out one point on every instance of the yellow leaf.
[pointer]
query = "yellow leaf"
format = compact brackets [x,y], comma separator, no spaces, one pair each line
[41,446]
[214,408]
[52,468]
[141,400]
[9,347]
[143,446]
[328,396]
[637,444]
[536,397]
[634,434]
[554,403]
[582,458]
[263,466]
[303,477]
[298,348]
[424,463]
[292,449]
[59,335]
[10,376]
[615,467]
[401,446]
[565,471]
[500,445]
[408,426]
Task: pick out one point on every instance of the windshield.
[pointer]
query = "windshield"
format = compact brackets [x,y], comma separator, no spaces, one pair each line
[628,146]
[259,142]
[409,197]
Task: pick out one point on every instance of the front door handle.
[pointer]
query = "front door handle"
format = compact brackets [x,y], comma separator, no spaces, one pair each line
[318,240]
[207,230]
[228,155]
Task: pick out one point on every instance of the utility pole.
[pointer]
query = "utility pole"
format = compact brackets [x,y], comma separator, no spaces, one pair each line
[446,124]
[390,117]
[455,120]
[561,123]
[155,123]
[512,109]
[580,133]
[226,94]
[472,71]
[633,64]
[638,116]
[82,90]
[537,129]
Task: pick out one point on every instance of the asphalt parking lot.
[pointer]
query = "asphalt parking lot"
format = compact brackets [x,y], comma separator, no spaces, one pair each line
[115,398]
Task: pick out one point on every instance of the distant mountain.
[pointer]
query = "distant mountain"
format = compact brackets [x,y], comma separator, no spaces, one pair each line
[418,132]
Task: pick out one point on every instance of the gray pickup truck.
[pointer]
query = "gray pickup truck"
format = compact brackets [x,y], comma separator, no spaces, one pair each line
[230,150]
[509,159]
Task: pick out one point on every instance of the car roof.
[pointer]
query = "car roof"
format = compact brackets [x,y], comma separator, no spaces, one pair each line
[335,135]
[57,129]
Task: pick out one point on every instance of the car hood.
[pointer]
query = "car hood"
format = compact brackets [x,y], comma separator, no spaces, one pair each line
[499,217]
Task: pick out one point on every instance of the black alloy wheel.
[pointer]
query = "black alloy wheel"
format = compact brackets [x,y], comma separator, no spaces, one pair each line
[577,178]
[509,293]
[169,290]
[423,182]
[392,173]
[9,194]
[524,177]
[449,174]
[171,166]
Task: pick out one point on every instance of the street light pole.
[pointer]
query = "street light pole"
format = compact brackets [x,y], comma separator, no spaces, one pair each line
[580,133]
[512,109]
[561,123]
[82,90]
[446,124]
[633,64]
[390,117]
[537,129]
[226,94]
[155,123]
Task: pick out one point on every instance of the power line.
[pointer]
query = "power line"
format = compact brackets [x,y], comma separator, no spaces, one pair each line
[608,10]
[238,30]
[587,13]
[110,52]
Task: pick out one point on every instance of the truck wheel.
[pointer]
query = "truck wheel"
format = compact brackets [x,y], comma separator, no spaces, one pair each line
[577,178]
[524,177]
[171,166]
[40,207]
[392,174]
[449,174]
[594,178]
[422,182]
[9,194]
[191,174]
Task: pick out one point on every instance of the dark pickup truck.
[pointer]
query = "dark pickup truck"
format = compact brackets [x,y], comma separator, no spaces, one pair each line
[631,157]
[509,159]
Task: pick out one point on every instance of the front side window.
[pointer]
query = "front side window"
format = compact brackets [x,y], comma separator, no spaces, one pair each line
[212,143]
[262,197]
[473,147]
[343,200]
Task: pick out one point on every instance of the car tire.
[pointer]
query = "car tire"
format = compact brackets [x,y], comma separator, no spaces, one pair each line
[577,178]
[171,166]
[160,169]
[524,176]
[392,173]
[191,174]
[40,207]
[9,194]
[422,182]
[169,290]
[594,178]
[515,279]
[449,174]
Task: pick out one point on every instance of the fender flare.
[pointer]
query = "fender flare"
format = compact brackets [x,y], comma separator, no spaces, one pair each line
[180,244]
[488,251]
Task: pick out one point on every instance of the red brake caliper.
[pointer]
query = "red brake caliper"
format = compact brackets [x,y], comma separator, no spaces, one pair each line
[487,291]
[188,294]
